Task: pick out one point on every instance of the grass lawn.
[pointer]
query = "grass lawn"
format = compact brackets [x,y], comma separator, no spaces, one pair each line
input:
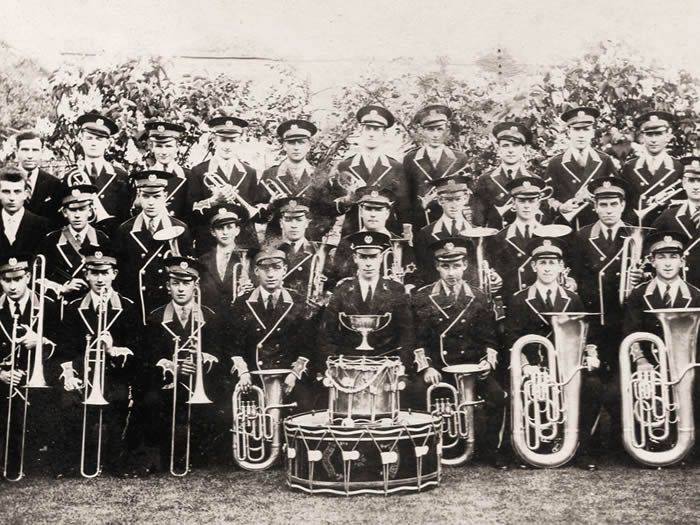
[618,493]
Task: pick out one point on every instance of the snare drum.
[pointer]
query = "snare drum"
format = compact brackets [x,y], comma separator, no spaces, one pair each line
[401,456]
[363,388]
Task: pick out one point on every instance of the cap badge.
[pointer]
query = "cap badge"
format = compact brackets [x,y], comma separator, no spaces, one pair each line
[75,192]
[374,193]
[152,177]
[368,238]
[161,128]
[526,184]
[293,127]
[449,246]
[547,243]
[581,114]
[668,238]
[229,123]
[292,203]
[12,261]
[373,113]
[696,164]
[514,129]
[100,122]
[99,255]
[653,118]
[606,184]
[222,211]
[451,182]
[184,265]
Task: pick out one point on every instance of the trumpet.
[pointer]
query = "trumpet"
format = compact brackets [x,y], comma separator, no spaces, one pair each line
[580,200]
[95,359]
[659,199]
[393,262]
[658,404]
[426,200]
[241,273]
[544,195]
[195,386]
[457,411]
[274,189]
[215,182]
[257,414]
[77,175]
[545,406]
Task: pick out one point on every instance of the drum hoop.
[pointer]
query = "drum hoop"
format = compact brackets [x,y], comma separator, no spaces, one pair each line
[347,390]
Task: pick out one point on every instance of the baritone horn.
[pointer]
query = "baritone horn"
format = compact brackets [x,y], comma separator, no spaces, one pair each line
[457,412]
[257,439]
[657,405]
[545,405]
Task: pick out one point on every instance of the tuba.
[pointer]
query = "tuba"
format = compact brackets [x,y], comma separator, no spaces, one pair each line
[95,361]
[657,406]
[257,430]
[545,407]
[457,412]
[195,386]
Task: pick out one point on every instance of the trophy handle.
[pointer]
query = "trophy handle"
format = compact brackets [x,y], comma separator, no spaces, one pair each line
[386,316]
[342,315]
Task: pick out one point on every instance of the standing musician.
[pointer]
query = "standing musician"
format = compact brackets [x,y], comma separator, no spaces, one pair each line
[525,317]
[19,317]
[44,189]
[113,194]
[374,206]
[224,178]
[570,172]
[491,195]
[371,167]
[140,253]
[164,141]
[431,162]
[270,329]
[187,324]
[654,175]
[684,218]
[220,263]
[367,292]
[119,344]
[453,197]
[62,248]
[20,228]
[455,325]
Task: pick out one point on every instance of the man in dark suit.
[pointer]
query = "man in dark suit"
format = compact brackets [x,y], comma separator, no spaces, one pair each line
[654,170]
[371,167]
[44,189]
[144,241]
[454,326]
[238,180]
[684,218]
[490,202]
[113,193]
[570,172]
[432,161]
[368,293]
[525,317]
[164,141]
[62,248]
[123,360]
[184,324]
[219,263]
[21,231]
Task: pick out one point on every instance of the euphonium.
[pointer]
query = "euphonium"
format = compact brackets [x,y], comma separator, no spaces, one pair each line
[657,406]
[240,273]
[545,406]
[631,258]
[95,360]
[457,411]
[257,428]
[214,181]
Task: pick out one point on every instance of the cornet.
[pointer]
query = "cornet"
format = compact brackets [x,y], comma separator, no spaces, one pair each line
[274,189]
[544,195]
[215,182]
[78,176]
[657,405]
[631,258]
[240,273]
[659,199]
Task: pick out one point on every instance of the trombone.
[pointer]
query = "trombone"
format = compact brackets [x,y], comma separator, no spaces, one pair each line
[95,358]
[14,392]
[195,386]
[215,182]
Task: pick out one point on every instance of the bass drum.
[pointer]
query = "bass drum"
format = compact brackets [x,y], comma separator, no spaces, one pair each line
[366,459]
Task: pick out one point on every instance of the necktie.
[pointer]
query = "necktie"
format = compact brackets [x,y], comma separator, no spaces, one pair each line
[10,230]
[93,171]
[13,309]
[610,235]
[526,235]
[548,301]
[509,173]
[368,295]
[696,218]
[667,297]
[79,238]
[269,306]
[152,226]
[453,229]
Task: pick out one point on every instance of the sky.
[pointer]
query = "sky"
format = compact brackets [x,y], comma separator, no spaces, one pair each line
[534,31]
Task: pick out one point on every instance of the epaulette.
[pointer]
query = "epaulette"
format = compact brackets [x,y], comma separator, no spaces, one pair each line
[125,299]
[425,287]
[204,307]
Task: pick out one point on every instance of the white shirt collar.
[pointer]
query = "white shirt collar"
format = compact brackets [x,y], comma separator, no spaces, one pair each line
[14,218]
[542,289]
[22,303]
[673,287]
[615,228]
[264,294]
[96,298]
[520,225]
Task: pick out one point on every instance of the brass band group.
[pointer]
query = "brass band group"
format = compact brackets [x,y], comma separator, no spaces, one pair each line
[361,324]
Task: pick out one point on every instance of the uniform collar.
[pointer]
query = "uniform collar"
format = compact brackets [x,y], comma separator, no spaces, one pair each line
[662,159]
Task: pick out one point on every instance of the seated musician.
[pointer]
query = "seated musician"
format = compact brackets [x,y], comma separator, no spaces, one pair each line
[119,317]
[455,325]
[374,205]
[217,281]
[368,293]
[184,322]
[19,315]
[270,329]
[525,318]
[62,248]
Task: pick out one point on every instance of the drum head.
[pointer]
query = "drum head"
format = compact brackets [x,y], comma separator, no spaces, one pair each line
[462,369]
[271,372]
